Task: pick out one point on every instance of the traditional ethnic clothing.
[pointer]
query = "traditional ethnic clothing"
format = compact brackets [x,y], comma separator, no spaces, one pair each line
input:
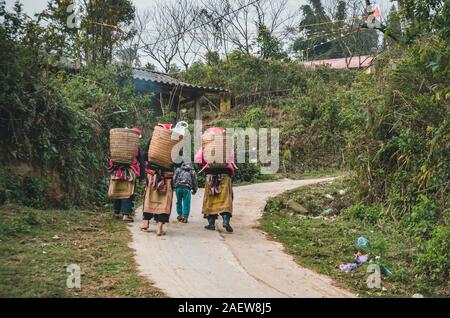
[158,196]
[123,182]
[218,196]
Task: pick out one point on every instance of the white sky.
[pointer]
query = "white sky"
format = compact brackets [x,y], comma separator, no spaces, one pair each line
[34,6]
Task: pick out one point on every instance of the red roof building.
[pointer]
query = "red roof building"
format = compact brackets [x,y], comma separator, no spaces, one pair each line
[345,62]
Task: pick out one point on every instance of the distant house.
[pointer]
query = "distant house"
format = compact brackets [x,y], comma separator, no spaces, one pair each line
[169,93]
[355,62]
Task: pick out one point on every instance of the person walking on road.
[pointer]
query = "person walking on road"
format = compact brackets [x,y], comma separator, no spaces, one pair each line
[123,182]
[185,182]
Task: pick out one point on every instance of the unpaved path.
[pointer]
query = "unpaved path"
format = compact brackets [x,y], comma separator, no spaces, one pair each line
[193,262]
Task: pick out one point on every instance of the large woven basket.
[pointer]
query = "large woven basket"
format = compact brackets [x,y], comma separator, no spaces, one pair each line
[214,142]
[161,145]
[122,145]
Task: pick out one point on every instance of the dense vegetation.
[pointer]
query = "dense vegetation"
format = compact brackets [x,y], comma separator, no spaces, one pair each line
[389,127]
[55,119]
[319,226]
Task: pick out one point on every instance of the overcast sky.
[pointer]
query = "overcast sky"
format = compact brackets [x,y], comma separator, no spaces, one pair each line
[34,6]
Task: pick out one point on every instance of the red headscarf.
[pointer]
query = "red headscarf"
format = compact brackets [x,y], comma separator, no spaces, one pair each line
[137,131]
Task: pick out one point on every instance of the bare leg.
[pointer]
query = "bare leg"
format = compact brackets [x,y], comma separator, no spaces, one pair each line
[145,225]
[159,228]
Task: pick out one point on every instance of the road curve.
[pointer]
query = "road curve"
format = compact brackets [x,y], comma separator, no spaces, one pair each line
[192,262]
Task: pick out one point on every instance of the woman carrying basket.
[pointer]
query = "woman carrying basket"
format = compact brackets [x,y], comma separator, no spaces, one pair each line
[158,193]
[218,196]
[123,182]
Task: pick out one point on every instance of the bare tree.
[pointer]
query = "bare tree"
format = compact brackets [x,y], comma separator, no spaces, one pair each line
[212,17]
[183,15]
[236,21]
[276,16]
[161,40]
[240,20]
[129,51]
[210,37]
[181,30]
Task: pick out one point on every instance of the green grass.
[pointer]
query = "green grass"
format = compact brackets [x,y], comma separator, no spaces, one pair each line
[323,243]
[36,247]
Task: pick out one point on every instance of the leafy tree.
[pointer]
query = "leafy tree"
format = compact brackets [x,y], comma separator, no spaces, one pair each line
[269,46]
[150,67]
[325,35]
[101,28]
[55,120]
[422,16]
[212,57]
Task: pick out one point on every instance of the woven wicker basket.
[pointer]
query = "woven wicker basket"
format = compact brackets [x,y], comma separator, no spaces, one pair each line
[212,142]
[122,145]
[160,150]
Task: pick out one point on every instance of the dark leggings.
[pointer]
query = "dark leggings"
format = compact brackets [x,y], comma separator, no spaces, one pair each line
[124,205]
[215,216]
[164,218]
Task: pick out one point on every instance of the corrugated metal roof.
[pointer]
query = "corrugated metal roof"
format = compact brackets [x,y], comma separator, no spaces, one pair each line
[165,79]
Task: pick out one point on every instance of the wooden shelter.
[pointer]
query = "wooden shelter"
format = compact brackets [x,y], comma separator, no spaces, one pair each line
[171,94]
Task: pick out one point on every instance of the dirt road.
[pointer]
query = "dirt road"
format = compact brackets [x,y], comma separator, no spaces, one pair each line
[193,262]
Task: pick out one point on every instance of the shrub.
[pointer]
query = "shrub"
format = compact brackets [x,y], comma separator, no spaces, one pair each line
[26,190]
[402,151]
[433,261]
[424,217]
[359,211]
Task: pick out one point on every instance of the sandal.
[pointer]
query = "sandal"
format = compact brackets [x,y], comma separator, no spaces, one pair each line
[179,218]
[144,226]
[184,220]
[127,218]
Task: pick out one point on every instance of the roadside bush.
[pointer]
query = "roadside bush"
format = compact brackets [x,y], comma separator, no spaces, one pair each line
[402,150]
[26,190]
[314,122]
[359,211]
[246,74]
[433,261]
[59,121]
[424,217]
[247,172]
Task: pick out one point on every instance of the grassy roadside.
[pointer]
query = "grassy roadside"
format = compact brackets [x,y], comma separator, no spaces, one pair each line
[37,246]
[324,242]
